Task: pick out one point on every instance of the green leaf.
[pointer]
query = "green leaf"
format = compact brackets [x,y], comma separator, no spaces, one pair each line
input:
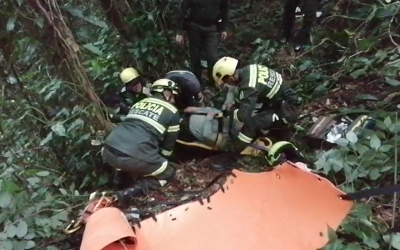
[351,137]
[395,240]
[385,148]
[47,139]
[374,174]
[20,2]
[375,142]
[22,229]
[43,173]
[93,49]
[392,82]
[58,129]
[7,245]
[359,72]
[372,14]
[5,199]
[19,244]
[63,191]
[39,21]
[30,244]
[11,230]
[386,168]
[29,236]
[342,142]
[387,122]
[366,97]
[33,181]
[11,23]
[3,236]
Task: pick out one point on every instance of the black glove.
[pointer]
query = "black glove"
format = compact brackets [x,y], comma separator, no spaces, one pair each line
[289,111]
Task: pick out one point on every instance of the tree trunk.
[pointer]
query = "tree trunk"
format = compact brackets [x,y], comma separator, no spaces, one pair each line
[113,16]
[53,16]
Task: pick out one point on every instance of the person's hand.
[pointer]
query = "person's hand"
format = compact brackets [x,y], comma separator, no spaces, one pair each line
[200,97]
[303,166]
[211,115]
[190,109]
[179,39]
[224,34]
[228,106]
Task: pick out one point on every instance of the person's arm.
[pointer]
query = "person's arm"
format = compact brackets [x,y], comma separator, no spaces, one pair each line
[192,109]
[181,13]
[230,95]
[168,144]
[247,103]
[224,10]
[289,95]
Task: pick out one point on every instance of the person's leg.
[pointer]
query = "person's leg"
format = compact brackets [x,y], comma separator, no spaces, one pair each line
[264,120]
[194,37]
[288,18]
[151,175]
[210,48]
[309,9]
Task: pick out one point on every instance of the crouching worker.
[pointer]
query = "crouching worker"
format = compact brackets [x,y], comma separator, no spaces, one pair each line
[189,86]
[140,145]
[256,84]
[133,90]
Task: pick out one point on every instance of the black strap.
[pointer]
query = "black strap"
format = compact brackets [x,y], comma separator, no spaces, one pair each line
[220,124]
[367,193]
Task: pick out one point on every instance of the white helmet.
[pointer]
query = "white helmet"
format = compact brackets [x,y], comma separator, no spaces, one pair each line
[225,66]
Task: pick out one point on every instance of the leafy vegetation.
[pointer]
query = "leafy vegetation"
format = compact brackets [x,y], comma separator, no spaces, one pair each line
[57,57]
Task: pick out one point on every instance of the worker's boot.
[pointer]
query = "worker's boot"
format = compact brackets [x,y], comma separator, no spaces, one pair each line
[125,196]
[224,162]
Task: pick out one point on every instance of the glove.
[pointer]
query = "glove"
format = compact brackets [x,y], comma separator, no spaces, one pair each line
[289,112]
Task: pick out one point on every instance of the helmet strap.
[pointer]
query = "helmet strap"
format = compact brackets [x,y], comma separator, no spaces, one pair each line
[165,98]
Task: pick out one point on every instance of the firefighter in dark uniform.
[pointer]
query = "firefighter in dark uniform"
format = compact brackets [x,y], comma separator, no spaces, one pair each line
[200,19]
[309,8]
[141,144]
[118,104]
[256,84]
[189,86]
[133,91]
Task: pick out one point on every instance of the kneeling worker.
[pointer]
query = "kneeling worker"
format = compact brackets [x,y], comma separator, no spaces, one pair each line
[140,144]
[256,84]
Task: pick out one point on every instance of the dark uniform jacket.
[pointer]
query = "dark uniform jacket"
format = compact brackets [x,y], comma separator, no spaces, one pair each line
[150,128]
[128,99]
[189,86]
[204,13]
[259,84]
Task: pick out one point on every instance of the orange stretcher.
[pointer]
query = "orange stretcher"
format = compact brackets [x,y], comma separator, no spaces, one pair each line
[283,209]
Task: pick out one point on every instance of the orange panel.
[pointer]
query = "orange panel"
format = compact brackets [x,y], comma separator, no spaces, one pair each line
[284,209]
[106,226]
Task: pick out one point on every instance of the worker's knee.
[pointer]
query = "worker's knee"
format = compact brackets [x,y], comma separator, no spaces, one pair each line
[167,175]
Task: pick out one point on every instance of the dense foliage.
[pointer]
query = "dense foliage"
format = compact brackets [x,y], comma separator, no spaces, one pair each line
[57,57]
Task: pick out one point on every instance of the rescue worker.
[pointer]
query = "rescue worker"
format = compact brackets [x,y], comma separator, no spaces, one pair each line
[142,142]
[189,86]
[309,8]
[133,91]
[202,20]
[256,84]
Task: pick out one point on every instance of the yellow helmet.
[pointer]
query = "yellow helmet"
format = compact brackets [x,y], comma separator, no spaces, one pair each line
[165,84]
[225,66]
[128,75]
